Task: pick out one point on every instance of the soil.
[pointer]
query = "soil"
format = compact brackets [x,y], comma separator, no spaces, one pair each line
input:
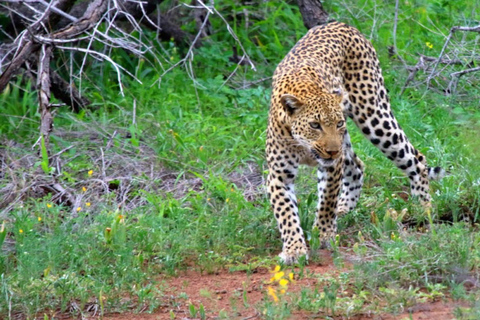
[237,294]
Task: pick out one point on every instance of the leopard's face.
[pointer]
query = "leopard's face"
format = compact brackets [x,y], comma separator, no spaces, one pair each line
[318,125]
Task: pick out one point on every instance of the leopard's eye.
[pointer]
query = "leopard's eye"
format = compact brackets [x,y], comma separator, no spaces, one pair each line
[340,124]
[315,125]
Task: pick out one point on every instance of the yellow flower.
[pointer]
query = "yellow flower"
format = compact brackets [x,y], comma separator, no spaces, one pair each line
[272,293]
[20,231]
[208,199]
[282,291]
[283,282]
[279,275]
[429,45]
[88,204]
[79,208]
[290,275]
[49,205]
[227,200]
[90,172]
[84,189]
[39,219]
[277,268]
[201,148]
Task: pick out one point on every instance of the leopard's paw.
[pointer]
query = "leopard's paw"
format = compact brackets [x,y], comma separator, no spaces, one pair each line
[291,256]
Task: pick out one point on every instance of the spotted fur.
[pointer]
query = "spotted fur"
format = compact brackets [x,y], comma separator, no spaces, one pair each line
[331,73]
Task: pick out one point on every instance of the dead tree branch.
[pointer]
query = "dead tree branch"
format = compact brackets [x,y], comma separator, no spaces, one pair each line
[43,88]
[447,42]
[452,86]
[454,61]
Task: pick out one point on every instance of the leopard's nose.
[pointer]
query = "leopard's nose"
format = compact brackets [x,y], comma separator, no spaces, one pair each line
[332,153]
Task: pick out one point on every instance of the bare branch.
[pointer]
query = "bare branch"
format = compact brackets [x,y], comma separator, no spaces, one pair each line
[57,11]
[395,36]
[453,57]
[452,86]
[105,57]
[93,14]
[447,41]
[43,87]
[26,47]
[232,33]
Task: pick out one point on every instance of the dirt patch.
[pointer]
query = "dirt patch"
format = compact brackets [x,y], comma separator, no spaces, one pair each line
[237,294]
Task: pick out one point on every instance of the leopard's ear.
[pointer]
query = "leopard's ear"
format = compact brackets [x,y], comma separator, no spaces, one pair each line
[291,104]
[340,94]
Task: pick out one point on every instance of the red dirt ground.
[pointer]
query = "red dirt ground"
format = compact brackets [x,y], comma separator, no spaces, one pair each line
[224,291]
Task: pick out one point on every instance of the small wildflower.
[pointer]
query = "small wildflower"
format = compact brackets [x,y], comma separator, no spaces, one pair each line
[84,189]
[49,205]
[231,189]
[108,230]
[88,204]
[279,275]
[201,148]
[283,282]
[20,231]
[273,294]
[392,236]
[290,276]
[277,268]
[208,199]
[39,219]
[282,291]
[429,45]
[79,209]
[227,200]
[90,172]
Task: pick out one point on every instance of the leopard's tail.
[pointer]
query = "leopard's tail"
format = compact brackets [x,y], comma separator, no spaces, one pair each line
[436,173]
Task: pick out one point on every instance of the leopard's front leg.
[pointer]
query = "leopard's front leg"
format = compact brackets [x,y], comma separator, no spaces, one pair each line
[281,192]
[329,185]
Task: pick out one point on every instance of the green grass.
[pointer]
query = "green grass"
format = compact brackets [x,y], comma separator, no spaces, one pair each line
[176,195]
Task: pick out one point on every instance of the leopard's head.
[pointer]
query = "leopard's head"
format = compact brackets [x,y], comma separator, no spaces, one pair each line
[317,123]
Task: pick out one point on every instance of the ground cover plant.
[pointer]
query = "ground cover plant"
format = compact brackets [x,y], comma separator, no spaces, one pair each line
[163,187]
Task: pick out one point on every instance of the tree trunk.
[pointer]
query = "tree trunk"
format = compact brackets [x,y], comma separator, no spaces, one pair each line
[312,13]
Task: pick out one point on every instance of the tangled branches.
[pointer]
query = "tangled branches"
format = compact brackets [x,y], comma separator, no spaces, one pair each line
[52,42]
[455,60]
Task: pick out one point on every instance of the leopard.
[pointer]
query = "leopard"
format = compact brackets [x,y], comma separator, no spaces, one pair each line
[331,75]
